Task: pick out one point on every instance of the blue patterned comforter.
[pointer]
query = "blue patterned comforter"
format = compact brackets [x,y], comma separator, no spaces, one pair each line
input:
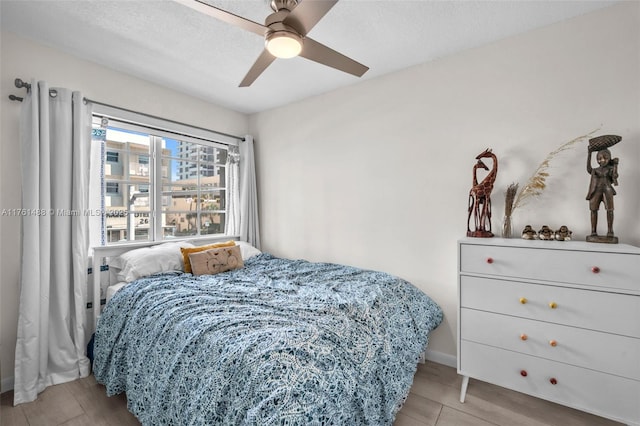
[285,342]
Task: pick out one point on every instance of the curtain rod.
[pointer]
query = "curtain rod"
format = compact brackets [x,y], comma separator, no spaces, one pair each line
[21,84]
[155,117]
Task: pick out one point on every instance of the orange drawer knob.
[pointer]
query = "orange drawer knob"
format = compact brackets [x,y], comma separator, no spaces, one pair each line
[553,381]
[553,343]
[553,305]
[523,336]
[523,300]
[523,373]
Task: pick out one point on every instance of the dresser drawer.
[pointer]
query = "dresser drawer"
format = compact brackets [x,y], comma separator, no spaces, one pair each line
[609,353]
[589,268]
[594,310]
[599,393]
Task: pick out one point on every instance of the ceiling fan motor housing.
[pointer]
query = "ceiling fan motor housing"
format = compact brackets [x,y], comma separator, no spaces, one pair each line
[275,23]
[278,5]
[288,39]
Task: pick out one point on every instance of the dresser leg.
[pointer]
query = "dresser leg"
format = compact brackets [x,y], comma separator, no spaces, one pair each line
[463,388]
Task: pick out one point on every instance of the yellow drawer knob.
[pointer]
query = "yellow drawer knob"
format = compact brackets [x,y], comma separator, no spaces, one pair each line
[523,300]
[553,343]
[553,305]
[523,336]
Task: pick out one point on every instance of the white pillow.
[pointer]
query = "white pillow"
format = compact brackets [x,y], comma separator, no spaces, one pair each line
[147,261]
[247,250]
[111,290]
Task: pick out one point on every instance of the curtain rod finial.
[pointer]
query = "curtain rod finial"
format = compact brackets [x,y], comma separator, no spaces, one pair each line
[20,84]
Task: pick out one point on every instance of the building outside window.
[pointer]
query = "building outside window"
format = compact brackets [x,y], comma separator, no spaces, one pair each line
[155,187]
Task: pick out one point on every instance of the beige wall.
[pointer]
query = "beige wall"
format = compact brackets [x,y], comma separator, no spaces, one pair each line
[23,59]
[377,175]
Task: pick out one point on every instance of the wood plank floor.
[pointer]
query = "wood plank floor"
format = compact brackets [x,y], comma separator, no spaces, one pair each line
[433,401]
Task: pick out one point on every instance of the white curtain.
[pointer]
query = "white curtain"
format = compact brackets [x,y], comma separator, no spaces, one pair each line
[232,195]
[55,127]
[249,226]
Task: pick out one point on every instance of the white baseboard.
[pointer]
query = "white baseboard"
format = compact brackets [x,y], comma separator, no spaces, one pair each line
[442,358]
[6,384]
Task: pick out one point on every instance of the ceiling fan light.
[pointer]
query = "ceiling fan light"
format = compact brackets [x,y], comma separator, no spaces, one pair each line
[284,44]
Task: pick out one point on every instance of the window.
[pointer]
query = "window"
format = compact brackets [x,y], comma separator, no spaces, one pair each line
[112,157]
[112,187]
[157,185]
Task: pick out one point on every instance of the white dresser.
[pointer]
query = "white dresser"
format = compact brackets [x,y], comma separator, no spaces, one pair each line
[559,320]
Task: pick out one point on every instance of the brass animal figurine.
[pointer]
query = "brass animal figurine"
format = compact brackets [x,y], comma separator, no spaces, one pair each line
[563,234]
[528,233]
[545,233]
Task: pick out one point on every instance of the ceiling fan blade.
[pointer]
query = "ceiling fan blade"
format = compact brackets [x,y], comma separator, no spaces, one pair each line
[225,16]
[307,14]
[322,54]
[263,61]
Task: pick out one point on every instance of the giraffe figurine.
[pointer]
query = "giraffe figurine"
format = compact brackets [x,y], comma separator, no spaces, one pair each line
[480,197]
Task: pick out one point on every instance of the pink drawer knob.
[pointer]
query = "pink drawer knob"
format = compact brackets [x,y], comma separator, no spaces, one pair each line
[523,373]
[595,269]
[489,260]
[553,381]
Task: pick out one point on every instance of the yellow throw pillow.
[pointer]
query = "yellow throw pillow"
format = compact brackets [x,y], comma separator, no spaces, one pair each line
[214,261]
[186,251]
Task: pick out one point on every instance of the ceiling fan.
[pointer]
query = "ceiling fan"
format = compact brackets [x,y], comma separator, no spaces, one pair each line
[285,32]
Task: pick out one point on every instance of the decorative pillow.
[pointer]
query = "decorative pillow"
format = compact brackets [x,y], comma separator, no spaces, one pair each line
[187,251]
[247,250]
[216,260]
[146,261]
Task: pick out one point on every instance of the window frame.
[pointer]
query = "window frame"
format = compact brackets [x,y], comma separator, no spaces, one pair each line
[158,129]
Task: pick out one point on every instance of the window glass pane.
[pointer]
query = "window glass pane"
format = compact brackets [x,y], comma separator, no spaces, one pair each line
[136,166]
[140,223]
[195,187]
[211,223]
[126,186]
[188,199]
[165,166]
[212,200]
[116,224]
[180,224]
[113,161]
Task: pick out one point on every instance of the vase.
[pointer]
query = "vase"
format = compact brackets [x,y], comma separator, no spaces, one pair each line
[506,227]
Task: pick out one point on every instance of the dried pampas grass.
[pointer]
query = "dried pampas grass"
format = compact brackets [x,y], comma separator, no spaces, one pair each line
[509,198]
[537,182]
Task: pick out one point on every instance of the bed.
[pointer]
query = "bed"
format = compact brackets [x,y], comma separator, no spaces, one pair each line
[274,341]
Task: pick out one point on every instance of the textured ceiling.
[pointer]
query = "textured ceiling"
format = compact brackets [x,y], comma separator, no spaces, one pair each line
[174,46]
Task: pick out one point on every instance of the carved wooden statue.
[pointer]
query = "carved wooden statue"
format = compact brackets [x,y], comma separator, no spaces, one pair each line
[601,186]
[480,197]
